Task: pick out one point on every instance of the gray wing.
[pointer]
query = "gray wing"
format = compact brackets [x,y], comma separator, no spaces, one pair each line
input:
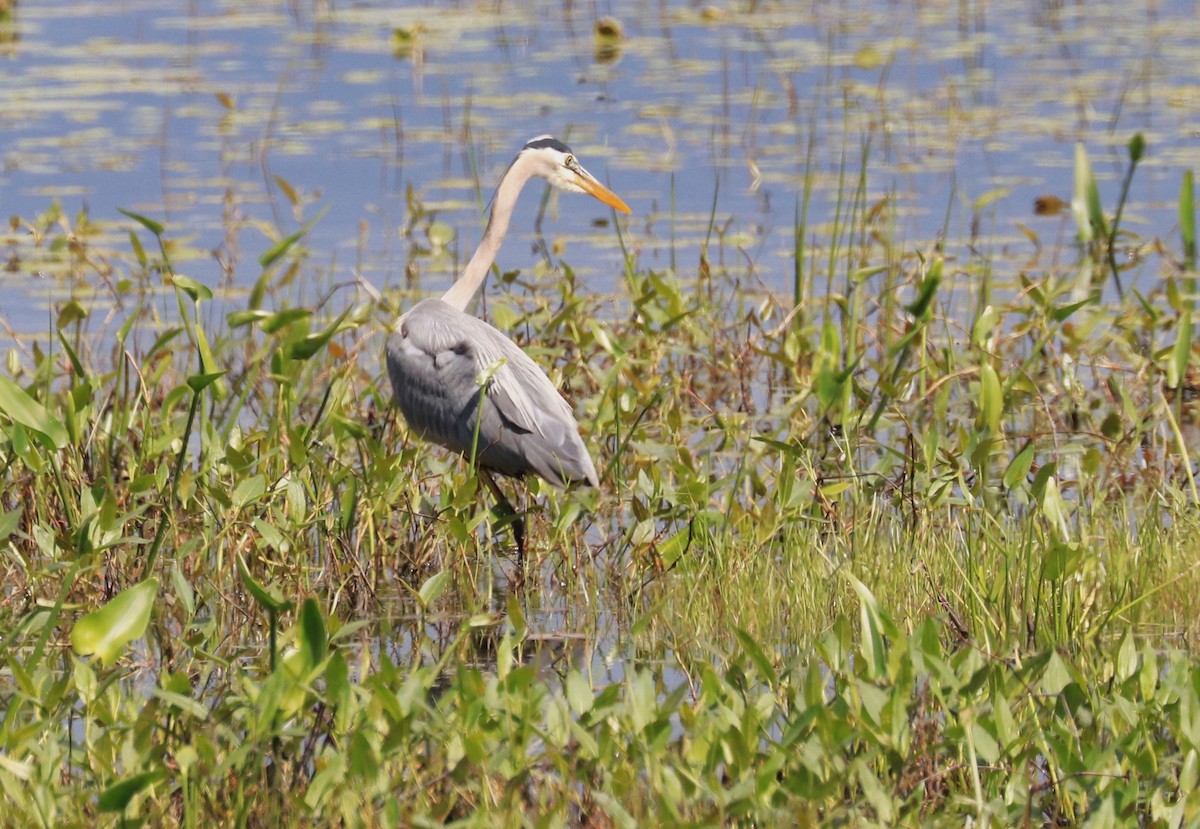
[435,358]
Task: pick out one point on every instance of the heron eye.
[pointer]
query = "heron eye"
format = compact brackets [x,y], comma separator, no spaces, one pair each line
[569,162]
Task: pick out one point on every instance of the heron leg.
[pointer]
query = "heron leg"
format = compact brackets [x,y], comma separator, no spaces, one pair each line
[507,515]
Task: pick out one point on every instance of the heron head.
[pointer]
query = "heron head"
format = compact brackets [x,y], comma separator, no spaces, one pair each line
[558,165]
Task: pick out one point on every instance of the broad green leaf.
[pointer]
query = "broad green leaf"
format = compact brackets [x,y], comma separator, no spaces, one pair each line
[337,680]
[182,702]
[314,640]
[991,399]
[106,632]
[117,796]
[835,489]
[248,490]
[640,699]
[1018,470]
[282,319]
[433,588]
[516,616]
[310,345]
[1127,658]
[21,770]
[1085,201]
[875,630]
[23,409]
[1054,507]
[199,382]
[237,319]
[196,290]
[981,331]
[1056,676]
[70,313]
[1061,561]
[9,521]
[268,599]
[579,693]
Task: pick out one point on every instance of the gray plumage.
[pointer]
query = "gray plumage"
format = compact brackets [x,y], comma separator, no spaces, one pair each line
[462,384]
[436,360]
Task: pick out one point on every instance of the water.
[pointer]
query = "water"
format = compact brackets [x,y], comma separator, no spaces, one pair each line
[193,115]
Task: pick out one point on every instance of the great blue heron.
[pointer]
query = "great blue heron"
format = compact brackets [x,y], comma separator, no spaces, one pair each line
[461,383]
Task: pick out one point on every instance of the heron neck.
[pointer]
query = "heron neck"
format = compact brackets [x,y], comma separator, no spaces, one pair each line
[467,285]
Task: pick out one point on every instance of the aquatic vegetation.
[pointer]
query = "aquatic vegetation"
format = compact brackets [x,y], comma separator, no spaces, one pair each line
[855,557]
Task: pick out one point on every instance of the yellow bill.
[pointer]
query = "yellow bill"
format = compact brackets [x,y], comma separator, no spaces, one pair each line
[594,188]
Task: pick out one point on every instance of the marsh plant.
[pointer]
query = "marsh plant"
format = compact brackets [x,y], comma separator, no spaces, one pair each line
[906,545]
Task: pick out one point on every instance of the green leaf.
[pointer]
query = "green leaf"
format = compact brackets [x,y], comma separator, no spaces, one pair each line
[208,363]
[196,290]
[579,693]
[516,615]
[875,630]
[310,345]
[756,654]
[106,632]
[139,252]
[272,254]
[314,639]
[282,319]
[150,225]
[267,599]
[237,319]
[1182,350]
[18,405]
[1061,313]
[337,679]
[1061,561]
[9,521]
[1018,470]
[248,490]
[433,588]
[76,366]
[1127,658]
[1056,676]
[117,796]
[928,288]
[199,382]
[984,324]
[991,399]
[1085,202]
[182,702]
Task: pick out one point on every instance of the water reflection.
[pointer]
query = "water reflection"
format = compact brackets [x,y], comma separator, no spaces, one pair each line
[212,118]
